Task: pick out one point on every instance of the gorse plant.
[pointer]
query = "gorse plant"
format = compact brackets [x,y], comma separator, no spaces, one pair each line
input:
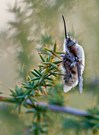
[41,95]
[38,84]
[43,84]
[20,30]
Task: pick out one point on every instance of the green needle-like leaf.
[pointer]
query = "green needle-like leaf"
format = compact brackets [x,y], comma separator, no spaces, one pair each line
[43,60]
[38,72]
[34,73]
[54,48]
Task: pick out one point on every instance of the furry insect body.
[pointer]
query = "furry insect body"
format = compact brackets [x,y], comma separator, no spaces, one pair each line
[73,63]
[70,71]
[73,67]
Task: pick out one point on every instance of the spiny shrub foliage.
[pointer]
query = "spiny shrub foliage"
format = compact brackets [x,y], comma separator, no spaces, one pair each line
[41,82]
[44,84]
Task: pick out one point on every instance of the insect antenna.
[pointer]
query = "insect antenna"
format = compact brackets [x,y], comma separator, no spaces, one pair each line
[65,27]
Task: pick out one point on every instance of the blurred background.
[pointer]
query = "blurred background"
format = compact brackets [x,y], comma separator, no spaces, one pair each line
[28,25]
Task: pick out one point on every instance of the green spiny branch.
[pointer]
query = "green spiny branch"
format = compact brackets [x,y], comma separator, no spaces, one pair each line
[42,83]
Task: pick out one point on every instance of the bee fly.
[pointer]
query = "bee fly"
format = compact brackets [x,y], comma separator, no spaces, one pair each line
[73,63]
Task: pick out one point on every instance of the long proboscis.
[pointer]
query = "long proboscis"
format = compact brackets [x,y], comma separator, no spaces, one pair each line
[65,27]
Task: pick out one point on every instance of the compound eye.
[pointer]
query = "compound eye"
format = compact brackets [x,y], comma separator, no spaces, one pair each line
[68,40]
